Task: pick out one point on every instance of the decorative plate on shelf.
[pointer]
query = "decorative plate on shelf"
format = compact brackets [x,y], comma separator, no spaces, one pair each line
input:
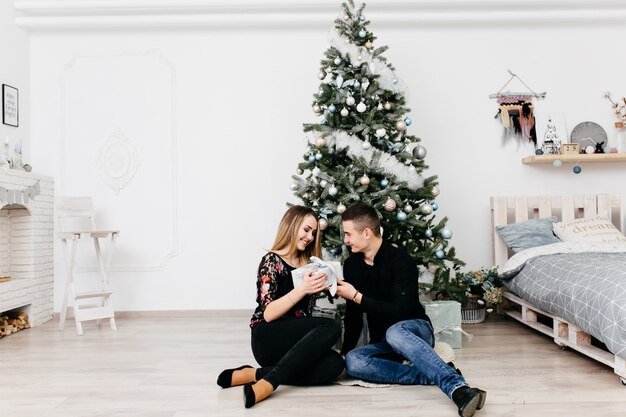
[588,134]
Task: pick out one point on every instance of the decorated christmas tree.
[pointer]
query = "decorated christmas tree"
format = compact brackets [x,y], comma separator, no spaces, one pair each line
[360,151]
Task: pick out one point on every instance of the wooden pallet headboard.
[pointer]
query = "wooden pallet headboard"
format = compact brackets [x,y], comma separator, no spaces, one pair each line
[507,210]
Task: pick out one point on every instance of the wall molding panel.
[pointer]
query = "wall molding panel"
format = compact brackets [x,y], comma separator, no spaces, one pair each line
[103,151]
[186,14]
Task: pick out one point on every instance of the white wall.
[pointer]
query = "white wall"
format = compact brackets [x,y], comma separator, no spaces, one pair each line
[213,104]
[14,67]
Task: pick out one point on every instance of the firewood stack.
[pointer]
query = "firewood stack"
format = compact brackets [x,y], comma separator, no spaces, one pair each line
[10,325]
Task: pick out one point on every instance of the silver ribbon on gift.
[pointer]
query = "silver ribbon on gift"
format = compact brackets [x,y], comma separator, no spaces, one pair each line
[455,328]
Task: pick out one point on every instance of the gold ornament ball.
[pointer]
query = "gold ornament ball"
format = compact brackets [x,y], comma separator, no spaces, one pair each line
[320,142]
[435,191]
[344,112]
[408,209]
[369,45]
[323,224]
[387,105]
[316,108]
[400,125]
[364,180]
[390,205]
[341,208]
[426,209]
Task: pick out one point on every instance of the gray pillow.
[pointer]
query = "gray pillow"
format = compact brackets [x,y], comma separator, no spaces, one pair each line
[528,234]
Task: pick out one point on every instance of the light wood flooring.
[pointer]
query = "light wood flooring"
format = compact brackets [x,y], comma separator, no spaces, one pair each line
[167,367]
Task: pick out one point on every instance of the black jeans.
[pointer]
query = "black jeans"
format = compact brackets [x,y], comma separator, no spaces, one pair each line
[297,351]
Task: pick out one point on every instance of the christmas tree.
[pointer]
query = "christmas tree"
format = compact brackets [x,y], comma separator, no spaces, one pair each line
[360,151]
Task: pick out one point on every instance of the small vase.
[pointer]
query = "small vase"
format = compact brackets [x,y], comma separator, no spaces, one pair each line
[472,311]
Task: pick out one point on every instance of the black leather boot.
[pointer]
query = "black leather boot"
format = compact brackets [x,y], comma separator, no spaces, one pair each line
[468,400]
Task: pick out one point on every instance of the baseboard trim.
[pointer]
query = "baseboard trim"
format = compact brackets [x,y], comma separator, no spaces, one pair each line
[174,313]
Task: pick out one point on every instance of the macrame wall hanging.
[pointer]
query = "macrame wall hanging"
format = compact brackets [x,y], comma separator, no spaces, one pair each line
[516,111]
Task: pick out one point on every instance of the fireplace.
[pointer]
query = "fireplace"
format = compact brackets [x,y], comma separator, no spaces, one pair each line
[26,246]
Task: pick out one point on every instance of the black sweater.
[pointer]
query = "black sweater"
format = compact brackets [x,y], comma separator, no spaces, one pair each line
[390,294]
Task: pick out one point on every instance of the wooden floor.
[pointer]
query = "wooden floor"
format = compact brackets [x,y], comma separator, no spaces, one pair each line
[165,367]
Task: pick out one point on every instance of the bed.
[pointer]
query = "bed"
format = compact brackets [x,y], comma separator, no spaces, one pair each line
[578,298]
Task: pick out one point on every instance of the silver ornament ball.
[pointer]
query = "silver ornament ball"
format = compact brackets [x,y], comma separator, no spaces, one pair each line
[426,209]
[364,180]
[400,125]
[320,142]
[323,224]
[408,208]
[380,132]
[344,112]
[435,191]
[361,107]
[387,106]
[350,101]
[316,108]
[332,190]
[341,208]
[366,145]
[419,152]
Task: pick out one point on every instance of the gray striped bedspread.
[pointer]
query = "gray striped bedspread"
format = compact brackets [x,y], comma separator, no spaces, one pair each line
[585,284]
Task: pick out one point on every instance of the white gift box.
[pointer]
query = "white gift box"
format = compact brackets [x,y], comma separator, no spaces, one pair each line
[446,319]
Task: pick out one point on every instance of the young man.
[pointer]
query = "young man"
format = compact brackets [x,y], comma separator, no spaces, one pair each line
[381,281]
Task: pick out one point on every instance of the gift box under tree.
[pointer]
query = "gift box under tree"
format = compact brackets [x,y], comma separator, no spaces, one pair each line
[445,317]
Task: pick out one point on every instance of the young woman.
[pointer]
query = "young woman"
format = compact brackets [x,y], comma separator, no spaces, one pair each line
[291,346]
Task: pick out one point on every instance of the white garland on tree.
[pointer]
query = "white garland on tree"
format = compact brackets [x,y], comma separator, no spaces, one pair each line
[388,162]
[376,65]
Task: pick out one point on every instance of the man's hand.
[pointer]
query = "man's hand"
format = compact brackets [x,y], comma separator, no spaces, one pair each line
[345,290]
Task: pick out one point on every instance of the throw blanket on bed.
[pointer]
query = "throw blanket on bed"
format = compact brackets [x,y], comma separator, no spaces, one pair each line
[583,283]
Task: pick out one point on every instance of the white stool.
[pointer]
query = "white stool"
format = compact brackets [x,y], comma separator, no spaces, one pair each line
[77,208]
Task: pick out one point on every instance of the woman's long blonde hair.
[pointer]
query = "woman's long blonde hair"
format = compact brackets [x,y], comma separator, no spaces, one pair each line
[287,235]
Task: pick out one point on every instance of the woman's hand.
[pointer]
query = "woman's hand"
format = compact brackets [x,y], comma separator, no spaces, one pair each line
[312,283]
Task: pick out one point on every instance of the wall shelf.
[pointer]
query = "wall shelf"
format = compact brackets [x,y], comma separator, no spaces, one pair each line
[576,158]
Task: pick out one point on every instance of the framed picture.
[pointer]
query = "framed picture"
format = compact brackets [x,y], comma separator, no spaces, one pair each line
[551,132]
[9,105]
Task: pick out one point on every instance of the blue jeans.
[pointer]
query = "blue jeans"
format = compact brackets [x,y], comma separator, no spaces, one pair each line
[413,340]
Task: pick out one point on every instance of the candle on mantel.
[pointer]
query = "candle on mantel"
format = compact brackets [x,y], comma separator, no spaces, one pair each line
[18,146]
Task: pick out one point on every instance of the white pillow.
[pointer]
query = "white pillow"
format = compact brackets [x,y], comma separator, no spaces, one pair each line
[588,229]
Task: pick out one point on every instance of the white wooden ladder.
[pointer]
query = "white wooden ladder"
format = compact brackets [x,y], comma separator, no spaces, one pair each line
[77,208]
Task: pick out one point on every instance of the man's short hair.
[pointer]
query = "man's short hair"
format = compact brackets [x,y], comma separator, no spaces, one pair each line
[363,216]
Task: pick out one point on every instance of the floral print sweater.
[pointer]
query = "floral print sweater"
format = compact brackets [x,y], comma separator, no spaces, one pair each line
[274,281]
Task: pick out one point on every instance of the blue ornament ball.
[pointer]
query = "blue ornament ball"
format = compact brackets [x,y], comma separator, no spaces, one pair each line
[395,81]
[428,233]
[311,158]
[446,233]
[557,163]
[435,206]
[361,18]
[577,169]
[408,121]
[538,152]
[401,216]
[332,108]
[384,182]
[439,254]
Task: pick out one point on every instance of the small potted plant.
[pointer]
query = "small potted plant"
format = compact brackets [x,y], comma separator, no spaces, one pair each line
[482,291]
